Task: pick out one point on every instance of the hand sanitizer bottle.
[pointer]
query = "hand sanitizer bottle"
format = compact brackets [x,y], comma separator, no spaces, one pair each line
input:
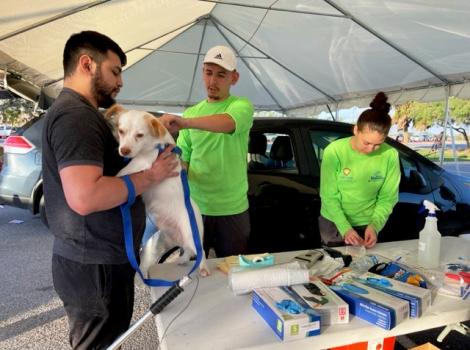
[429,246]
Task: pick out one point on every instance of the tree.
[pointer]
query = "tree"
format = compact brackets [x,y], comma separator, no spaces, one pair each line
[403,120]
[12,110]
[425,115]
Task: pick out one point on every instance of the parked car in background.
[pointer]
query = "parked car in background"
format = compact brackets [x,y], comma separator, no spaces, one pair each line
[284,181]
[284,178]
[5,131]
[21,175]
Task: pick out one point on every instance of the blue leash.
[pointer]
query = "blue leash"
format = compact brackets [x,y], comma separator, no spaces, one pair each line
[128,233]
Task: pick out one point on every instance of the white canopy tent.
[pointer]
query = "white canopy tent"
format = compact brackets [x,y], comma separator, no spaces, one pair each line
[294,56]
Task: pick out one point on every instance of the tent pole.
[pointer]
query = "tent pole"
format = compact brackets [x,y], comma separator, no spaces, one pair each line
[446,120]
[196,64]
[247,65]
[454,152]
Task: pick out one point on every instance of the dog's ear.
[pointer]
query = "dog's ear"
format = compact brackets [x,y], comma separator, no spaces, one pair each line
[158,130]
[113,111]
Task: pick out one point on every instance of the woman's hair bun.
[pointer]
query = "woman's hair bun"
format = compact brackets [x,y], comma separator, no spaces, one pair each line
[379,103]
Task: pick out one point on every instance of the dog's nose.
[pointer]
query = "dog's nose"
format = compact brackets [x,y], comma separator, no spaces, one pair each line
[125,151]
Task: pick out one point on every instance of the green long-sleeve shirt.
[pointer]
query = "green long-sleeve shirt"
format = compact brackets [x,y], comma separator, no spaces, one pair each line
[358,189]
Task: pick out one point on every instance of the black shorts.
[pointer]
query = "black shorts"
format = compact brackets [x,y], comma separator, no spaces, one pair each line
[228,235]
[98,300]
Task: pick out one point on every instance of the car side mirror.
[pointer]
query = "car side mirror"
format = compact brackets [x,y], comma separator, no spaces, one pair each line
[417,180]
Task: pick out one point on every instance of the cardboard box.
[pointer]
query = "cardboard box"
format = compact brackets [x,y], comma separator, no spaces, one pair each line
[332,309]
[418,298]
[372,305]
[382,344]
[286,325]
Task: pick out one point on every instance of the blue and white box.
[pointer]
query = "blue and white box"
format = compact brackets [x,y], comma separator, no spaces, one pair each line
[289,316]
[332,309]
[372,305]
[418,298]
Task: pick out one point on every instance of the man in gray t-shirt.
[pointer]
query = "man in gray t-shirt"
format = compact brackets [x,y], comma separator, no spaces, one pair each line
[90,270]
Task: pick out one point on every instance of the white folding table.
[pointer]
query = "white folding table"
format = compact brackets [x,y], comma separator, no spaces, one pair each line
[217,319]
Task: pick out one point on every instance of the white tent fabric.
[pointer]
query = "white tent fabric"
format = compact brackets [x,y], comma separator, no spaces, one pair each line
[294,56]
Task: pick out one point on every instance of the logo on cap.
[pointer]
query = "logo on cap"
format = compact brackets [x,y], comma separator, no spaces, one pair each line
[222,56]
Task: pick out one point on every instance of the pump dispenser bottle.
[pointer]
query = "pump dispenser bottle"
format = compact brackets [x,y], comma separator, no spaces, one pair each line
[429,246]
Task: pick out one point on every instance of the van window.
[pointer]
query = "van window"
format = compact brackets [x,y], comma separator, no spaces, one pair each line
[278,155]
[322,138]
[413,179]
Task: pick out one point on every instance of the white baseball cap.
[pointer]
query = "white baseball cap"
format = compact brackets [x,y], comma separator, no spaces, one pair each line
[222,56]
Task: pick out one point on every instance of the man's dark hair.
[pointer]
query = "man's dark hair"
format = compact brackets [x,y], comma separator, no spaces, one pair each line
[376,118]
[91,43]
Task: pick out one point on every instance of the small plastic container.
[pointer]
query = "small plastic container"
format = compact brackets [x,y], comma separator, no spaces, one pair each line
[364,263]
[356,251]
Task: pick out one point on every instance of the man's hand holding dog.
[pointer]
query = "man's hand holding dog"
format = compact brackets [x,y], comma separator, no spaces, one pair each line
[164,166]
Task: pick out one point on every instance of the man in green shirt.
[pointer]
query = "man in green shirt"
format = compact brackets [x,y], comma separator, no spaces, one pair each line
[359,181]
[213,137]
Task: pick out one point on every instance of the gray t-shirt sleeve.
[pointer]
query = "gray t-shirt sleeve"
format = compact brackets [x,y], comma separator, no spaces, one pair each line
[78,138]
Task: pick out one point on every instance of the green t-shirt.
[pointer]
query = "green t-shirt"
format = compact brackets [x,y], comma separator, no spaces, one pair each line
[217,161]
[358,189]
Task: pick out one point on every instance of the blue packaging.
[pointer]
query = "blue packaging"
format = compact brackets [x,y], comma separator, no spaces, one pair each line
[418,298]
[373,306]
[286,313]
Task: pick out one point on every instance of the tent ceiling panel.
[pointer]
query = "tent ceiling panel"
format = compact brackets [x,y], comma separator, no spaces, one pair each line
[162,83]
[155,44]
[155,79]
[311,6]
[437,34]
[22,14]
[249,85]
[290,91]
[337,55]
[292,54]
[114,18]
[314,6]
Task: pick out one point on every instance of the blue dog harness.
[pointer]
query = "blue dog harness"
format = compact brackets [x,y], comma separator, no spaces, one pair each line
[128,233]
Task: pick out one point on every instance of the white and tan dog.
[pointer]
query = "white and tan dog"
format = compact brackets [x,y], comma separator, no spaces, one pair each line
[140,134]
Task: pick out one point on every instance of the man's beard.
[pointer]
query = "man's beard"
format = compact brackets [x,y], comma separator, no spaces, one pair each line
[101,91]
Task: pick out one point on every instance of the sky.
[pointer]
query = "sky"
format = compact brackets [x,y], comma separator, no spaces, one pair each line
[350,116]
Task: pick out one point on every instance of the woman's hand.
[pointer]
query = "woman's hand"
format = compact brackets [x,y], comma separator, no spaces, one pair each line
[352,238]
[370,236]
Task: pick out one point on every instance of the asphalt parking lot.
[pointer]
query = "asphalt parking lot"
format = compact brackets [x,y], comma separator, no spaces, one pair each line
[31,314]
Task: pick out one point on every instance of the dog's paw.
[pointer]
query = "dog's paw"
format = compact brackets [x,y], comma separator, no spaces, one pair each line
[203,269]
[204,272]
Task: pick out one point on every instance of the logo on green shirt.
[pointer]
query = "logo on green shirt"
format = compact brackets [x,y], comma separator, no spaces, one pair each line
[377,176]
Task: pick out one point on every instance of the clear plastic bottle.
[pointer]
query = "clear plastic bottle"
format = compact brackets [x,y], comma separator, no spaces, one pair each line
[364,263]
[429,245]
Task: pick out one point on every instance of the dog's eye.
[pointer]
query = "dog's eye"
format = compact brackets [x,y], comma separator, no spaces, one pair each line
[120,131]
[139,135]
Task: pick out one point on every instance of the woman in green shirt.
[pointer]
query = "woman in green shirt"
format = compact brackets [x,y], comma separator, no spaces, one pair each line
[359,180]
